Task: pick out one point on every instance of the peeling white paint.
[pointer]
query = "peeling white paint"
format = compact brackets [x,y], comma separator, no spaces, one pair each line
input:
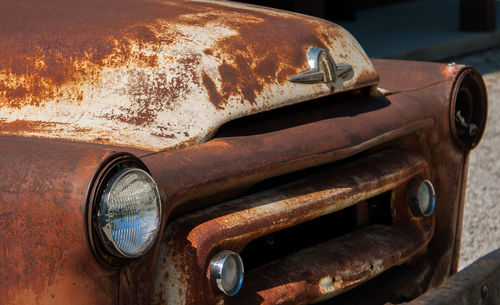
[127,104]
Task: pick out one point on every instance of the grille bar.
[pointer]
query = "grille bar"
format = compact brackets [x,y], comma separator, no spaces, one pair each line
[333,267]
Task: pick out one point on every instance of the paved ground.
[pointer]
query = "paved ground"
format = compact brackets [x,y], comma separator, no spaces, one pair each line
[482,210]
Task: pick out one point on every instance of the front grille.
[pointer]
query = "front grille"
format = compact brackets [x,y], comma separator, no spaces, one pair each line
[315,236]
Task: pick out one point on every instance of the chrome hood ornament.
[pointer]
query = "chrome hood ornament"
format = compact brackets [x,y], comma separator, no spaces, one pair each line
[323,70]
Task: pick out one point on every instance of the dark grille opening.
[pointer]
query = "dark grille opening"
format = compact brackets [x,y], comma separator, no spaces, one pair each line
[376,210]
[280,180]
[379,209]
[338,105]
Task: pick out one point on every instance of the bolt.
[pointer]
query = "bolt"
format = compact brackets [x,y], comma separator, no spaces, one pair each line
[484,291]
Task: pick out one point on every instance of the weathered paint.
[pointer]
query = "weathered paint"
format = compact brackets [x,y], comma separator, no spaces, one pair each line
[155,74]
[45,257]
[192,240]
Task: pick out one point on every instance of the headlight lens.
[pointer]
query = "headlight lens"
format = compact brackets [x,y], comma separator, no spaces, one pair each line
[129,213]
[426,198]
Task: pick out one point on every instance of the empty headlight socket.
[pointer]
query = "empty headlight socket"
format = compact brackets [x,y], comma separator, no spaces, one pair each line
[468,109]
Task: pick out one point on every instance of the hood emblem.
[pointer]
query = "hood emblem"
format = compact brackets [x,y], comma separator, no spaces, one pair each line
[323,70]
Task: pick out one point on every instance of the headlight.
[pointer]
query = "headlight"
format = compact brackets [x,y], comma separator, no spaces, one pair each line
[226,272]
[422,197]
[129,213]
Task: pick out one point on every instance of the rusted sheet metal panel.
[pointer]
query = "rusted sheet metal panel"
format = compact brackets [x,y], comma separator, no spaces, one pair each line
[212,167]
[403,76]
[192,240]
[479,283]
[164,73]
[216,166]
[331,268]
[448,160]
[45,257]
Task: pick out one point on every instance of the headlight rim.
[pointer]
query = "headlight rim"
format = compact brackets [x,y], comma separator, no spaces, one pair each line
[108,167]
[215,272]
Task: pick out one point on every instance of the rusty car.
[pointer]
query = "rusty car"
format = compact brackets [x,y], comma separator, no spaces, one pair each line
[214,152]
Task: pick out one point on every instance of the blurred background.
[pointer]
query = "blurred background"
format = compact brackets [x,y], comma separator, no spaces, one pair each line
[409,29]
[460,31]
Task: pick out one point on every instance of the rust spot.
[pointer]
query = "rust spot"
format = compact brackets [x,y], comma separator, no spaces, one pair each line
[64,51]
[151,60]
[257,54]
[50,44]
[156,91]
[422,74]
[367,77]
[267,67]
[233,84]
[194,238]
[450,70]
[25,125]
[213,94]
[228,72]
[164,135]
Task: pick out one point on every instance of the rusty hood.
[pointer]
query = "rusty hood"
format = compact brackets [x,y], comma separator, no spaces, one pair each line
[155,74]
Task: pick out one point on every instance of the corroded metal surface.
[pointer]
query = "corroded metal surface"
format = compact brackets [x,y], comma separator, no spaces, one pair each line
[416,119]
[479,283]
[45,257]
[420,75]
[50,262]
[329,269]
[448,160]
[185,254]
[156,74]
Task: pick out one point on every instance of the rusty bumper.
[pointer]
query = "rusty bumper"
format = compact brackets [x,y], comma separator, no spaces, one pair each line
[479,283]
